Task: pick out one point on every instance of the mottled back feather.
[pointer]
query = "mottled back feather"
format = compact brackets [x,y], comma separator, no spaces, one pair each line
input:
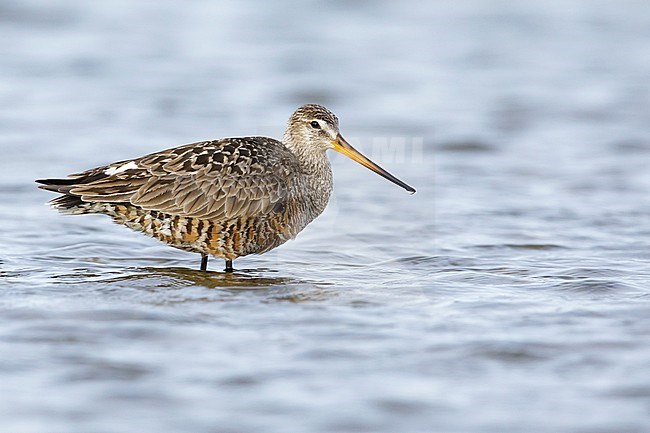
[217,180]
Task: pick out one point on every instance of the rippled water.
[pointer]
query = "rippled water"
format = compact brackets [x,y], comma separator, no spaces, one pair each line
[510,294]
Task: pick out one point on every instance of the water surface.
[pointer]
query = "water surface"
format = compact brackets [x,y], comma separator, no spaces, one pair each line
[510,294]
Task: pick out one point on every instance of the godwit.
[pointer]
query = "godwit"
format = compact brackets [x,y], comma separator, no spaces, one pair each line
[227,198]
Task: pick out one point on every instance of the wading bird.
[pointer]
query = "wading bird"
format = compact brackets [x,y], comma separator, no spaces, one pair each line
[226,198]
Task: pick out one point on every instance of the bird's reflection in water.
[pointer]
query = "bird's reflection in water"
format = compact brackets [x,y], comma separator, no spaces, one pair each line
[250,279]
[280,288]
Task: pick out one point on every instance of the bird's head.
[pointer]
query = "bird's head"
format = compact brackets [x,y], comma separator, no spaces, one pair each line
[313,128]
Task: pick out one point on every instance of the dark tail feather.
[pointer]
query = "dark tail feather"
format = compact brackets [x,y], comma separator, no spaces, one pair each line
[64,186]
[67,202]
[66,181]
[49,185]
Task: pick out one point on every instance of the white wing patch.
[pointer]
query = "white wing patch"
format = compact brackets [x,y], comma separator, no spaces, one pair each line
[114,170]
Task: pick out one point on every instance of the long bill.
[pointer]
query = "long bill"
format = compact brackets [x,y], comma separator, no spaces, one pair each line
[342,146]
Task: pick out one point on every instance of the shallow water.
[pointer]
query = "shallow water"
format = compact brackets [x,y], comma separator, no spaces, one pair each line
[511,293]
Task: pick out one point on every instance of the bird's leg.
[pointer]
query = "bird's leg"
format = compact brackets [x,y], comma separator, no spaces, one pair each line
[204,262]
[229,267]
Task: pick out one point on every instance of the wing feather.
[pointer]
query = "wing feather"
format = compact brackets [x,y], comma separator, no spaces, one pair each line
[223,179]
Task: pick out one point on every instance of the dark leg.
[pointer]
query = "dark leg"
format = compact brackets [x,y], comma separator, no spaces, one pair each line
[204,262]
[229,266]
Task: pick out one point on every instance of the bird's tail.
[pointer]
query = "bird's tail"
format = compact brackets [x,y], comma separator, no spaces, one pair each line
[68,202]
[71,204]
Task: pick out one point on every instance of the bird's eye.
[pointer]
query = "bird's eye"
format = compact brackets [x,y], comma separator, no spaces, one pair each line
[315,124]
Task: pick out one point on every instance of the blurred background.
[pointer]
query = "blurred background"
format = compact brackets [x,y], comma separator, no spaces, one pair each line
[511,293]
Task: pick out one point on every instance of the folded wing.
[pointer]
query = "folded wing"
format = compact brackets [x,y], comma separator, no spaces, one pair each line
[224,179]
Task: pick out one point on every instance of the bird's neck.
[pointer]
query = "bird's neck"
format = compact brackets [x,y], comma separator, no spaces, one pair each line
[318,175]
[312,161]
